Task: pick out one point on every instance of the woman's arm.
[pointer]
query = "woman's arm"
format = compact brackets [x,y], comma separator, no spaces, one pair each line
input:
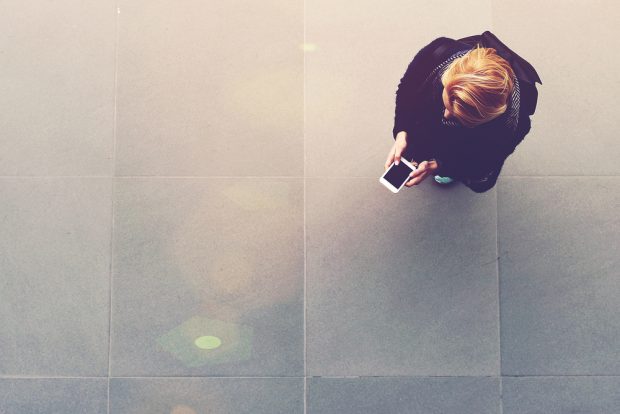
[407,93]
[492,154]
[529,100]
[447,166]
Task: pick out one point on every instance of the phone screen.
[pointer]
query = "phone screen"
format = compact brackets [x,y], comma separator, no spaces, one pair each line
[397,174]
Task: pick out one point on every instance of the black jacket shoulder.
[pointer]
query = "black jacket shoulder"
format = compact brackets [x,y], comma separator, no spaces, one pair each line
[410,98]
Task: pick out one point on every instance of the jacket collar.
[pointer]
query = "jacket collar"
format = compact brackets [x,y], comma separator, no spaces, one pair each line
[522,68]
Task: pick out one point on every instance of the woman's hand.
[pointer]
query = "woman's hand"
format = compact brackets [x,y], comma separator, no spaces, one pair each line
[397,149]
[422,171]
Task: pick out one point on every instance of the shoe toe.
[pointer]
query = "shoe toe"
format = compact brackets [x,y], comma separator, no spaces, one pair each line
[443,180]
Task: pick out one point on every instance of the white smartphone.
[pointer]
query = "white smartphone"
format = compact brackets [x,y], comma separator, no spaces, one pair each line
[397,175]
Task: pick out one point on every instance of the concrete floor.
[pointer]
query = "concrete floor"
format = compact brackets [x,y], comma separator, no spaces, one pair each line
[192,220]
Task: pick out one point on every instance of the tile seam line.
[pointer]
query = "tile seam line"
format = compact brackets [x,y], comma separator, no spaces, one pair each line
[499,292]
[315,376]
[303,140]
[281,176]
[112,194]
[499,305]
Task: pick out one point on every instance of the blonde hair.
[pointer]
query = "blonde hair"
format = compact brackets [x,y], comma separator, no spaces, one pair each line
[478,85]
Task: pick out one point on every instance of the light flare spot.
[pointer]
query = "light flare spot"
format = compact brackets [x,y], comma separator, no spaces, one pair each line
[308,47]
[208,342]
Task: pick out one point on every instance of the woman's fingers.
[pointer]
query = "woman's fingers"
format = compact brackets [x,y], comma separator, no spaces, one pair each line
[417,180]
[419,174]
[422,168]
[399,148]
[390,158]
[395,153]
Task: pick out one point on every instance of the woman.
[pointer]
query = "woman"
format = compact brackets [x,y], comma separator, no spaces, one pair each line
[462,110]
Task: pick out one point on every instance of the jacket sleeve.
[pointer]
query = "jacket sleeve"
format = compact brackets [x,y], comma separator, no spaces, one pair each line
[475,156]
[407,96]
[451,164]
[523,127]
[529,98]
[486,159]
[445,167]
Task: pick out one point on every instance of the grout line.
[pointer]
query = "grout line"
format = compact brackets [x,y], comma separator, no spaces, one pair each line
[304,209]
[499,305]
[499,292]
[114,128]
[139,377]
[279,176]
[561,376]
[9,377]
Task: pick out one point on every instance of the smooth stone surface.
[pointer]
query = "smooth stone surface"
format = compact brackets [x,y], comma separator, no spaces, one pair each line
[207,395]
[210,88]
[54,396]
[561,395]
[57,87]
[463,395]
[55,269]
[559,285]
[401,284]
[198,257]
[574,129]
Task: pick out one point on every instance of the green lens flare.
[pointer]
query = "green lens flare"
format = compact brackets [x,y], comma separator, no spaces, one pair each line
[207,342]
[228,342]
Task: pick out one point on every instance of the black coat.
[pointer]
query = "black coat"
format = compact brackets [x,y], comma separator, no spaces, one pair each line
[462,153]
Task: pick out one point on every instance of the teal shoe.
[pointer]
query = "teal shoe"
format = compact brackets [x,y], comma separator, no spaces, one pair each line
[443,180]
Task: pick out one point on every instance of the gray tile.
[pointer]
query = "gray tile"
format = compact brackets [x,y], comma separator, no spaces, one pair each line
[55,267]
[561,395]
[207,395]
[216,260]
[353,71]
[559,283]
[463,395]
[400,284]
[574,128]
[57,84]
[54,396]
[210,88]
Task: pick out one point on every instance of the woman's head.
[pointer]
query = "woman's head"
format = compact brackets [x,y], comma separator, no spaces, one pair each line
[477,86]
